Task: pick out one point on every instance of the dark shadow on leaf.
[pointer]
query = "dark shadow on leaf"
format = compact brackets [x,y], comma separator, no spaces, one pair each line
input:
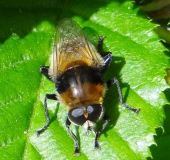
[167,52]
[127,86]
[21,17]
[143,2]
[112,98]
[162,150]
[115,68]
[22,21]
[167,112]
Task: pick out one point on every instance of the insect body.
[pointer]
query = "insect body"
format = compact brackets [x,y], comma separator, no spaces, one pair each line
[77,70]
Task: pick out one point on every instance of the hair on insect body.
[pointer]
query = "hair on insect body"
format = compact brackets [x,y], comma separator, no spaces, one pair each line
[77,70]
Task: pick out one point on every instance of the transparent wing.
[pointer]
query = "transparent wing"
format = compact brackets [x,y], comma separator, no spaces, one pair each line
[72,48]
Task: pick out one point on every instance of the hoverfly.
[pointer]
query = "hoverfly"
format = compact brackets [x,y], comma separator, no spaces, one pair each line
[77,71]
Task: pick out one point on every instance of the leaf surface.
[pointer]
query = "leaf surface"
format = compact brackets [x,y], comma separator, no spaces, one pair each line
[139,63]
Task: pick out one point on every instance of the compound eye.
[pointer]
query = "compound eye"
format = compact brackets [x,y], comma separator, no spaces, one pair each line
[95,112]
[76,116]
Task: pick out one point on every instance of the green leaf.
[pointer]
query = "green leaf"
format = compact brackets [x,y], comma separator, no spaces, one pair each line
[139,62]
[161,151]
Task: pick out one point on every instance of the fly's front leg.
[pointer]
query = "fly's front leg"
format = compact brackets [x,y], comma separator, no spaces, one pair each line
[96,142]
[76,144]
[45,71]
[52,97]
[115,81]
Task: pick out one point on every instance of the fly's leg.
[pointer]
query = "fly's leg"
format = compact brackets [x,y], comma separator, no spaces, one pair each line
[76,144]
[115,81]
[107,56]
[52,97]
[97,133]
[100,44]
[44,70]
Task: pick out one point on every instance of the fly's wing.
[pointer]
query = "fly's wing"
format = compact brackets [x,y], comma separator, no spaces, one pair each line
[71,48]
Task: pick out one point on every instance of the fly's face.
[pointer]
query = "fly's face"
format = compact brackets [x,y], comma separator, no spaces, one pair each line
[86,116]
